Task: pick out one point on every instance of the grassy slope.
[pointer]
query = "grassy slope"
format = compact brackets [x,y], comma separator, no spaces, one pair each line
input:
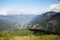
[32,37]
[26,35]
[44,37]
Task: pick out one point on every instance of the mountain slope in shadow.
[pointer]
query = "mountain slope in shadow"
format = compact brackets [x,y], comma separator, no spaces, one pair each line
[49,21]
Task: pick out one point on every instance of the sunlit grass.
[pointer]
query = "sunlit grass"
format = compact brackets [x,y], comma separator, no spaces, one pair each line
[26,35]
[43,37]
[33,37]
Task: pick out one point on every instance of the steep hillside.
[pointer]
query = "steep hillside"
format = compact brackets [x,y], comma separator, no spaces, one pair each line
[49,21]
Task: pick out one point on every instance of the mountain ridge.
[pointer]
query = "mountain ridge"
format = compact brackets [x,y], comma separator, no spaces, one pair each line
[48,21]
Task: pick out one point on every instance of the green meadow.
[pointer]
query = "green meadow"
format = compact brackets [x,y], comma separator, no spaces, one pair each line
[26,35]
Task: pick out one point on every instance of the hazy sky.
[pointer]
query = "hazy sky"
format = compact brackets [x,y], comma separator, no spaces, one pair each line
[26,5]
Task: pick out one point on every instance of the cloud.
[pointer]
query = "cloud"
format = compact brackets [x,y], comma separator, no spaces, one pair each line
[19,11]
[55,7]
[3,12]
[11,11]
